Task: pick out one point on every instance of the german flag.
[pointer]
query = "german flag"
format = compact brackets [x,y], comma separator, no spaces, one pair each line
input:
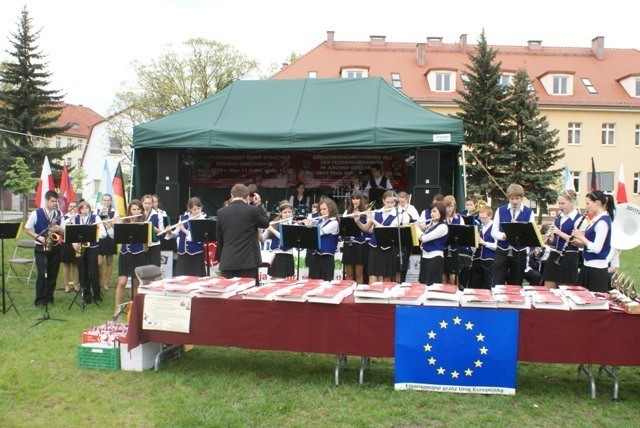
[119,200]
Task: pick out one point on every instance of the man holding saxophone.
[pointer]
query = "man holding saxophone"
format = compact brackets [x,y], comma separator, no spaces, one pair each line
[44,226]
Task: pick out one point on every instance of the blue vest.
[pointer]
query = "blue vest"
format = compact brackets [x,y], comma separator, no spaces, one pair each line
[567,227]
[437,244]
[386,222]
[155,221]
[91,220]
[504,216]
[43,222]
[328,243]
[590,234]
[383,182]
[184,246]
[482,252]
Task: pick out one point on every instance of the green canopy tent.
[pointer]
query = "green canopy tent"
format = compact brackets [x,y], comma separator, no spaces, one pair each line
[297,114]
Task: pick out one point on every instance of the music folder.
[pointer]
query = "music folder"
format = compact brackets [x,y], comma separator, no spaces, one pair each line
[349,228]
[132,233]
[203,230]
[10,230]
[79,233]
[387,236]
[522,234]
[295,236]
[461,235]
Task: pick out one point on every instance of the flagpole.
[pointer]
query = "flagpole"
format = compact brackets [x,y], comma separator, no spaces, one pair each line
[133,169]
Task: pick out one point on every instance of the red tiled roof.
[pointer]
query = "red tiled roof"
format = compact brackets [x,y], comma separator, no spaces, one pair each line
[77,114]
[382,60]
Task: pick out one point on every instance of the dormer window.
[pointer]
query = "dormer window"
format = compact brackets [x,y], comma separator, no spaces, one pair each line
[313,74]
[631,84]
[587,84]
[76,126]
[638,87]
[354,72]
[558,82]
[441,80]
[505,79]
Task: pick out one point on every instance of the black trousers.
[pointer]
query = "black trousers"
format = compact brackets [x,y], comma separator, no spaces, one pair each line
[241,273]
[47,265]
[509,270]
[89,274]
[481,274]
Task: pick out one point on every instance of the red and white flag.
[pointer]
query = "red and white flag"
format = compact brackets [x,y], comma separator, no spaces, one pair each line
[45,184]
[621,192]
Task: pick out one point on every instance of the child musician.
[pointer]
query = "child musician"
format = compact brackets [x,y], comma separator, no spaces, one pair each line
[451,268]
[433,238]
[190,253]
[151,215]
[510,270]
[282,265]
[562,265]
[355,249]
[107,247]
[131,256]
[68,256]
[322,265]
[382,262]
[88,262]
[596,240]
[482,265]
[308,259]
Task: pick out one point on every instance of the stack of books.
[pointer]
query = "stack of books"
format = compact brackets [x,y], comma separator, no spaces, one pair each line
[222,288]
[585,301]
[511,297]
[545,298]
[377,292]
[267,291]
[333,293]
[443,295]
[408,294]
[299,291]
[478,298]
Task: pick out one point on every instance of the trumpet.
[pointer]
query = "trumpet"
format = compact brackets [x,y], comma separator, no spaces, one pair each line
[481,204]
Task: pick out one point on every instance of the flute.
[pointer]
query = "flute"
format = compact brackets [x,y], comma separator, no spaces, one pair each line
[121,218]
[170,229]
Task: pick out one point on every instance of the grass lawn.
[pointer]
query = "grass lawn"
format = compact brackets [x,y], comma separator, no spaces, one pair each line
[41,385]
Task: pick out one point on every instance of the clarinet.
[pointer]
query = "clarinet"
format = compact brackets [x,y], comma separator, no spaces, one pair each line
[564,249]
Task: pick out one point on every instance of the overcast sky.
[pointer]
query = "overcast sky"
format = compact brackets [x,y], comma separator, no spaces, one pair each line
[90,44]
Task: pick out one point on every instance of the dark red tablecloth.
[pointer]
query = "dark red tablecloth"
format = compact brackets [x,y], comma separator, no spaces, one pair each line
[545,336]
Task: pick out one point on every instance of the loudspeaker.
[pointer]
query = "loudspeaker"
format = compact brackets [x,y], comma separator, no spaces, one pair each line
[168,166]
[423,196]
[169,194]
[428,167]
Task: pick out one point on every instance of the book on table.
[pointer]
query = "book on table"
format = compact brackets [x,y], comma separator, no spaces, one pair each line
[512,301]
[375,290]
[585,301]
[299,292]
[409,294]
[332,294]
[264,292]
[549,300]
[479,300]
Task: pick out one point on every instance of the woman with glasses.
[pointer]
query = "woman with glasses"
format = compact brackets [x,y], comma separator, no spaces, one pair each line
[562,265]
[596,240]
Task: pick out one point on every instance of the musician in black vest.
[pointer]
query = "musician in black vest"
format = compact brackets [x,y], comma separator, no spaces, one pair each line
[42,223]
[237,231]
[300,203]
[377,185]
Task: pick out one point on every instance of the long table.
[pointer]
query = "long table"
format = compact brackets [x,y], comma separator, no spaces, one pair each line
[545,336]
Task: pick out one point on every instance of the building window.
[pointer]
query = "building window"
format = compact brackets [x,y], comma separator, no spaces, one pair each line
[608,134]
[76,126]
[79,144]
[465,80]
[589,86]
[605,180]
[354,73]
[58,142]
[575,175]
[68,162]
[114,145]
[637,87]
[443,82]
[636,183]
[638,135]
[69,142]
[560,85]
[395,80]
[79,162]
[313,74]
[575,132]
[505,79]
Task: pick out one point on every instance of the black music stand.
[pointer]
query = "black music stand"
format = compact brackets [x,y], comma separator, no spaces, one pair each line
[396,237]
[469,220]
[461,235]
[79,234]
[522,235]
[8,231]
[204,230]
[348,229]
[131,233]
[308,237]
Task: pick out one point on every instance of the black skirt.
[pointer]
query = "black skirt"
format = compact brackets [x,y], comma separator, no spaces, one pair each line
[153,256]
[431,270]
[322,267]
[355,254]
[190,265]
[68,254]
[564,273]
[282,266]
[595,279]
[107,247]
[450,266]
[127,264]
[381,262]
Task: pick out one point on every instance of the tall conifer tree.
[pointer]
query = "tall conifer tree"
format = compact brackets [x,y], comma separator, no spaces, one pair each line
[534,146]
[485,115]
[28,107]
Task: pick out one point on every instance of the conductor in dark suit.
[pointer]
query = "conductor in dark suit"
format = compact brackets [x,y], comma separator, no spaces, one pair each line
[237,230]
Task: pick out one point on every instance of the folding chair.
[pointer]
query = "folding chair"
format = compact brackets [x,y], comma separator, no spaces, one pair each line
[22,256]
[148,273]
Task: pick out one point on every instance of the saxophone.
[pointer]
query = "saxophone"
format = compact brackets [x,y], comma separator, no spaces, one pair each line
[52,237]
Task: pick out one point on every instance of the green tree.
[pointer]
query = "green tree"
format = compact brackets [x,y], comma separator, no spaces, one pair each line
[485,115]
[78,177]
[534,147]
[29,109]
[20,180]
[174,81]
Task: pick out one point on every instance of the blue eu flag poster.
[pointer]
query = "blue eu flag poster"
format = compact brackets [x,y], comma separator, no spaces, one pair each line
[456,350]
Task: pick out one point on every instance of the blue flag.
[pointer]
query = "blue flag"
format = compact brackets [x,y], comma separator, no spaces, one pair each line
[456,350]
